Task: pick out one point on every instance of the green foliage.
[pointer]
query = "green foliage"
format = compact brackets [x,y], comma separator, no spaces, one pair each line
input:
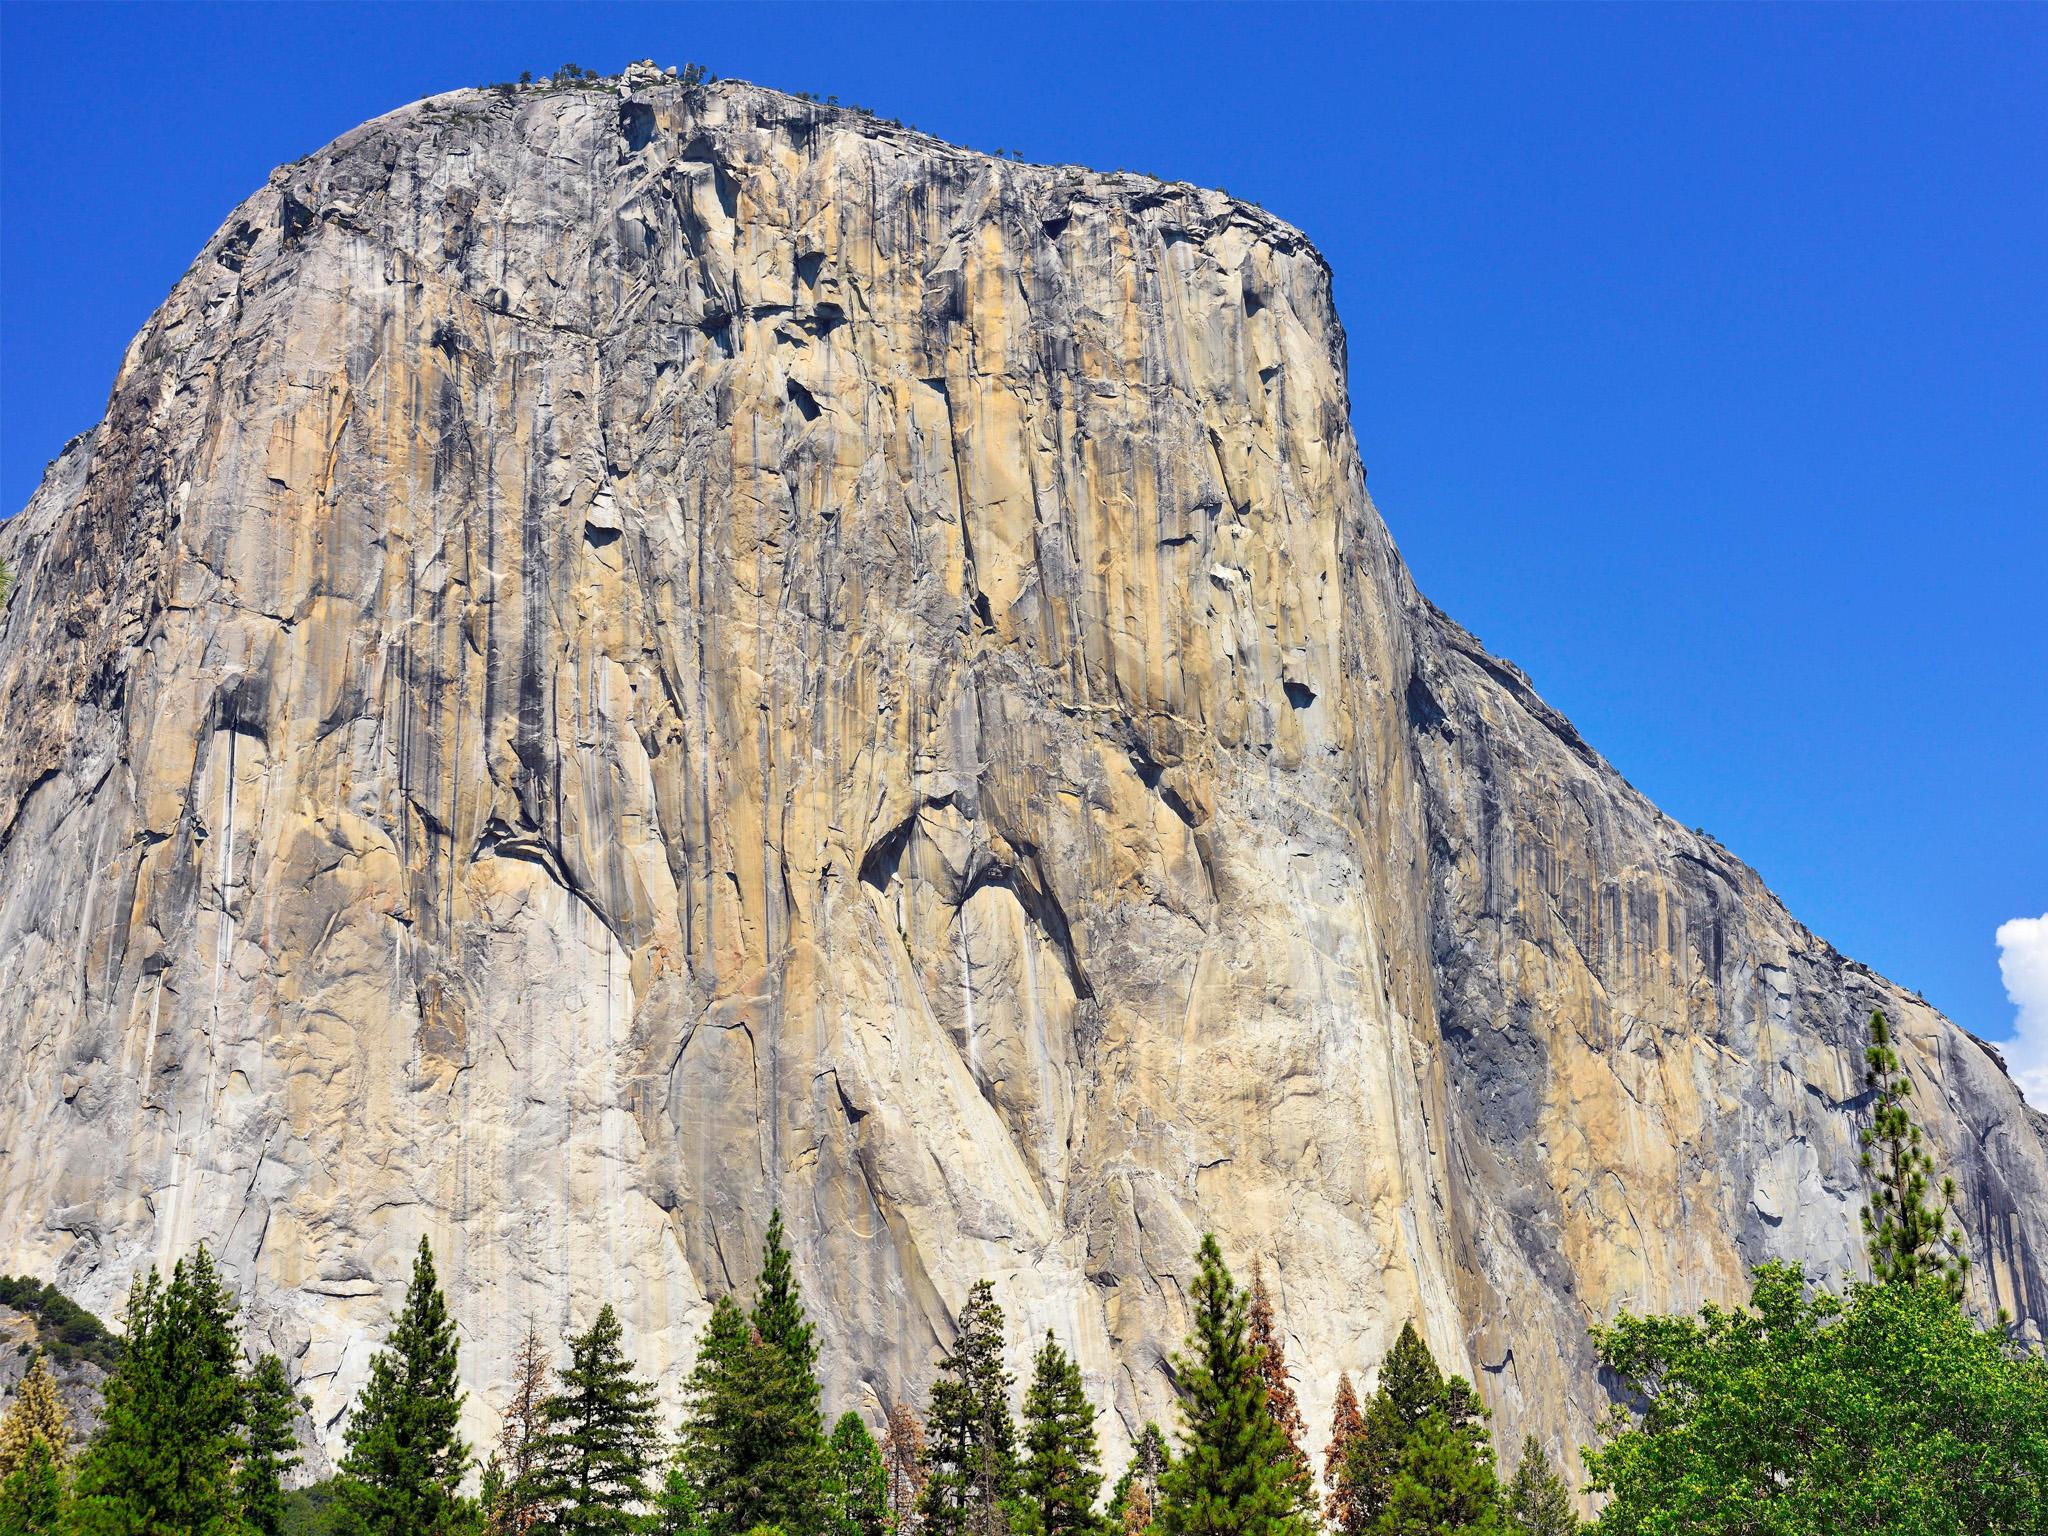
[1062,1471]
[753,1437]
[1443,1483]
[1235,1474]
[404,1461]
[1909,1239]
[163,1459]
[1419,1459]
[857,1499]
[970,1439]
[270,1448]
[676,1512]
[1536,1502]
[314,1510]
[1804,1415]
[692,76]
[32,1495]
[65,1331]
[599,1439]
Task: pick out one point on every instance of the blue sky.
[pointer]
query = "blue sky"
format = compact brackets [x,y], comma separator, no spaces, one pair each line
[1699,356]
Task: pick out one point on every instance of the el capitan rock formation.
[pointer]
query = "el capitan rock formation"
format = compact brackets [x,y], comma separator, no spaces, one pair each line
[622,659]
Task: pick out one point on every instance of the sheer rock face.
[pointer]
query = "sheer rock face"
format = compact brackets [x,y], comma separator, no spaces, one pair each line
[622,660]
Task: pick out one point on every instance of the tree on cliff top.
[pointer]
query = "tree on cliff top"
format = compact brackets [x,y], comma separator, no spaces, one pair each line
[1909,1238]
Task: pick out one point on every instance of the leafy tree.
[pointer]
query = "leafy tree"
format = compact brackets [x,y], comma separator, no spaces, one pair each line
[1536,1502]
[163,1459]
[1235,1474]
[1135,1500]
[1062,1471]
[1344,1509]
[858,1500]
[903,1457]
[35,1416]
[270,1446]
[512,1505]
[1280,1399]
[1804,1415]
[971,1446]
[1909,1239]
[404,1461]
[32,1493]
[600,1437]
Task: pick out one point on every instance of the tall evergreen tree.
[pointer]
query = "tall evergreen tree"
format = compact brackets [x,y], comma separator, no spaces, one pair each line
[270,1446]
[792,1448]
[404,1461]
[1537,1503]
[1909,1239]
[1062,1471]
[752,1434]
[858,1484]
[677,1511]
[1235,1474]
[903,1459]
[1344,1509]
[1280,1399]
[971,1441]
[1444,1484]
[36,1414]
[1135,1500]
[1421,1464]
[164,1456]
[512,1507]
[600,1439]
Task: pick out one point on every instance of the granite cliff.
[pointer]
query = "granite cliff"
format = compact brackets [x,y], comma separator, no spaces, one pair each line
[624,656]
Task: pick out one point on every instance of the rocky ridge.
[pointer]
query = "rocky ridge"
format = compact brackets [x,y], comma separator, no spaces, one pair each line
[627,655]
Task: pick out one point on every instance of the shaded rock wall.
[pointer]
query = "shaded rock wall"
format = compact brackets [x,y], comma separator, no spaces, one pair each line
[620,660]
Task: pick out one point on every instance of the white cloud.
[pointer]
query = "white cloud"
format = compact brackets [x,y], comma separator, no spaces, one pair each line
[2023,962]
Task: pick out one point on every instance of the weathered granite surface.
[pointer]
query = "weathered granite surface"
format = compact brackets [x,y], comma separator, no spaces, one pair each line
[617,660]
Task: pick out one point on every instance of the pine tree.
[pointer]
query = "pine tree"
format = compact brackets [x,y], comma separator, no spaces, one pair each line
[676,1510]
[163,1459]
[971,1441]
[1062,1471]
[1280,1399]
[32,1493]
[512,1505]
[1444,1484]
[752,1435]
[1537,1501]
[404,1461]
[36,1415]
[792,1452]
[1422,1462]
[858,1502]
[1234,1475]
[1135,1500]
[600,1437]
[903,1457]
[1909,1239]
[270,1446]
[1344,1509]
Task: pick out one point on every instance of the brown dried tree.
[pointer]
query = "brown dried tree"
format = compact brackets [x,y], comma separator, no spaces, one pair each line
[1264,1334]
[903,1466]
[518,1510]
[1345,1509]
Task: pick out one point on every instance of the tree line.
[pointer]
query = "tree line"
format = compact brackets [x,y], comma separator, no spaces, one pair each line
[1885,1409]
